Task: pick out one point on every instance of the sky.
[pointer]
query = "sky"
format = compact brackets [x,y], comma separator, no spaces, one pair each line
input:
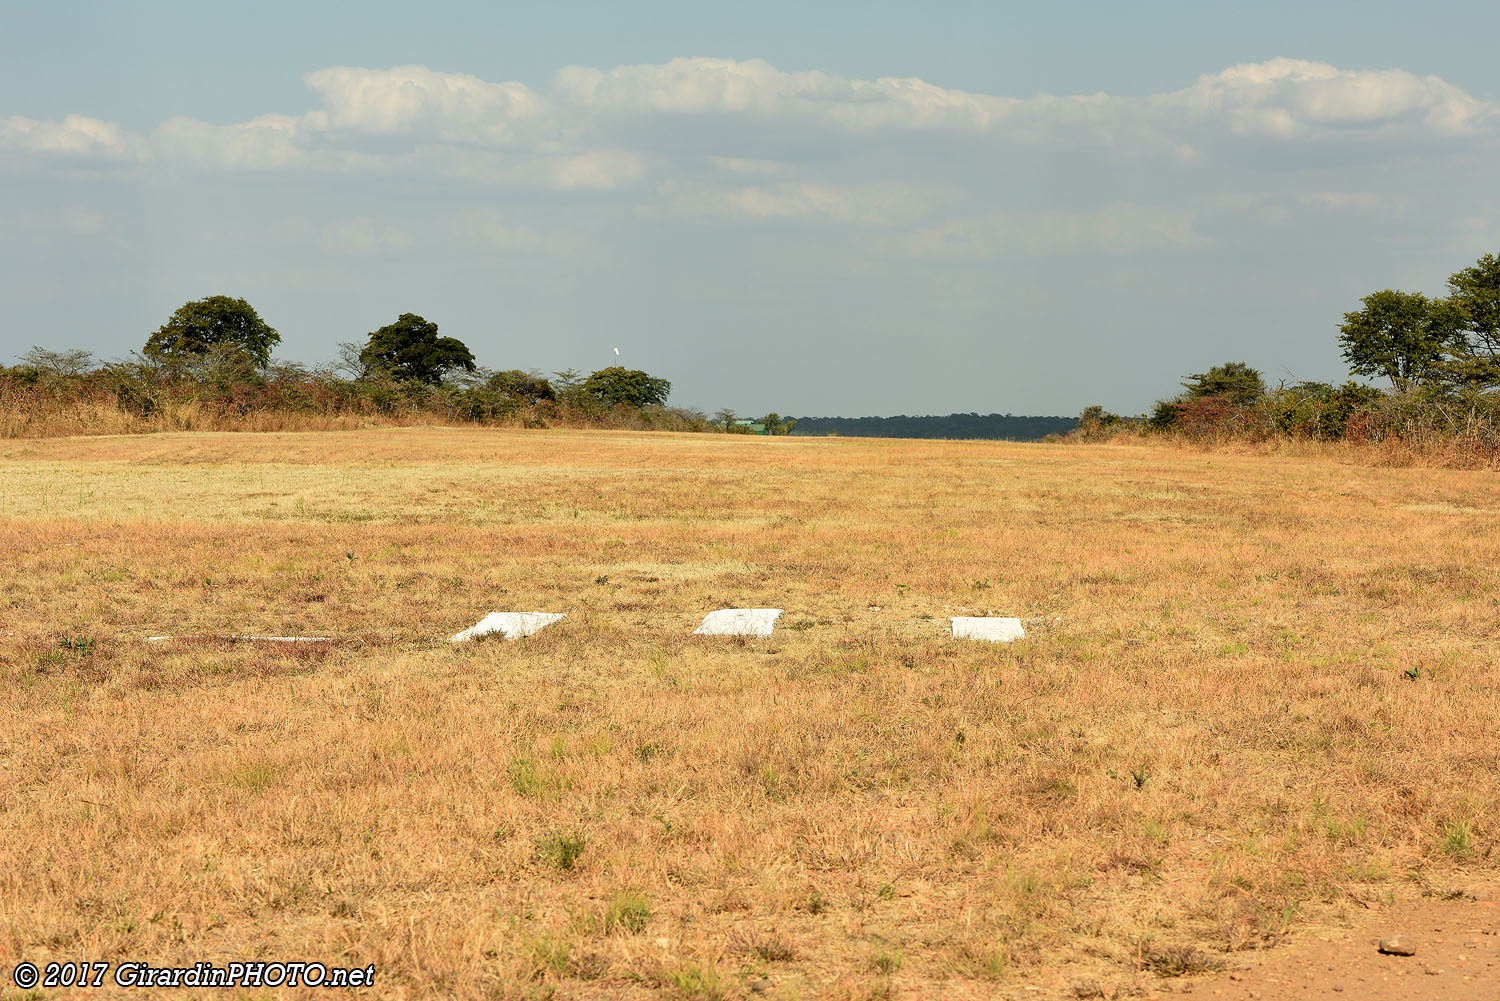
[818,209]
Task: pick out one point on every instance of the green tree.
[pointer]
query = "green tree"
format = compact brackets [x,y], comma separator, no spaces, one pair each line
[1475,291]
[203,326]
[411,350]
[528,386]
[778,425]
[626,385]
[1403,336]
[1235,381]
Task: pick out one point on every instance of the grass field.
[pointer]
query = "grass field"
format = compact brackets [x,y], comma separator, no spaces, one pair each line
[1257,692]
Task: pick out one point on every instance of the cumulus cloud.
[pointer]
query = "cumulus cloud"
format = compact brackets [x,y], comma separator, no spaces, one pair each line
[1283,98]
[414,100]
[363,110]
[271,142]
[74,136]
[754,87]
[929,171]
[1295,97]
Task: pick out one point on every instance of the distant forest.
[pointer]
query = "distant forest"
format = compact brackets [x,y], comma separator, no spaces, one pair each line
[1002,426]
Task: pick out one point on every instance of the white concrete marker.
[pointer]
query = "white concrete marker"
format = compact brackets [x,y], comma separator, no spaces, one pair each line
[257,639]
[511,625]
[739,622]
[993,630]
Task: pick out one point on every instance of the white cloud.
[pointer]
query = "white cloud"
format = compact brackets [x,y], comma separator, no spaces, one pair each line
[1281,98]
[271,142]
[75,136]
[1290,98]
[702,86]
[409,100]
[444,116]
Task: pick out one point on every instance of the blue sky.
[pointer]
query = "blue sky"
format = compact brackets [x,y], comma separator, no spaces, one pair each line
[837,208]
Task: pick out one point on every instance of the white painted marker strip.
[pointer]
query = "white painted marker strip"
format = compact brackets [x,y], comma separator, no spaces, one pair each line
[511,625]
[992,630]
[257,639]
[739,622]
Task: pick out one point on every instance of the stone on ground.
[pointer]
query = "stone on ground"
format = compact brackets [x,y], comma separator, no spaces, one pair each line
[511,625]
[989,629]
[738,622]
[1397,945]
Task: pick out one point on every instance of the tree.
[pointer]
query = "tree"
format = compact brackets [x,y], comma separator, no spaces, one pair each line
[528,386]
[1475,292]
[629,386]
[1235,381]
[59,364]
[411,350]
[778,425]
[1403,336]
[218,322]
[727,418]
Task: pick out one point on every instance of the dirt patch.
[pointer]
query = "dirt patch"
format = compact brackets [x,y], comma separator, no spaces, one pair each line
[1456,958]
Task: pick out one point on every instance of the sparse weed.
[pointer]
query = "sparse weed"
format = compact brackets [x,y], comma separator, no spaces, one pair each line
[627,912]
[698,983]
[561,851]
[1458,840]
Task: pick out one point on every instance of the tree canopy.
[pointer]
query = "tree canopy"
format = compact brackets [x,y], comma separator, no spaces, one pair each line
[1235,381]
[528,386]
[626,385]
[411,350]
[1403,336]
[1475,292]
[219,322]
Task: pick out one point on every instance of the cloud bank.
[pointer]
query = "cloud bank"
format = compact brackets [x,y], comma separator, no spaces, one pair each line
[1288,100]
[798,208]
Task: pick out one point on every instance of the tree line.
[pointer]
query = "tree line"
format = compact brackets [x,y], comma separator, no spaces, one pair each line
[211,365]
[1440,359]
[1007,427]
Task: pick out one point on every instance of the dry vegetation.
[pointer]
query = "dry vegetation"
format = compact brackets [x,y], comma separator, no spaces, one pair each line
[1258,691]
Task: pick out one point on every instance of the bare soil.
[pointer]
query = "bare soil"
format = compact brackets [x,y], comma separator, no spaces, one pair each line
[1457,957]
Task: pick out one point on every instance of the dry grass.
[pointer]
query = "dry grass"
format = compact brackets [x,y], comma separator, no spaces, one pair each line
[1257,689]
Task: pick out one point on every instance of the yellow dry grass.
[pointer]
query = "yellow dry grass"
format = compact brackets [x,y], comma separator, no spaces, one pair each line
[1257,690]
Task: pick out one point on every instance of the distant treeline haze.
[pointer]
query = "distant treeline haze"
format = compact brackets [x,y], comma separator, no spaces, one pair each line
[1006,427]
